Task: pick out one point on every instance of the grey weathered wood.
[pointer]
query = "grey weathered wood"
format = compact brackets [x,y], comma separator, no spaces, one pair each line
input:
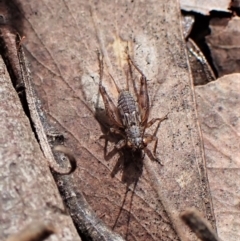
[27,190]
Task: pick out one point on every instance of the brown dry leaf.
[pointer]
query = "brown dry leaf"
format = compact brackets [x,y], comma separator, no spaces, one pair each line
[28,191]
[224,44]
[219,108]
[62,41]
[204,7]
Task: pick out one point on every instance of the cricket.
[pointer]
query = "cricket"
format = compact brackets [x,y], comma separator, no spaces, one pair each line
[130,117]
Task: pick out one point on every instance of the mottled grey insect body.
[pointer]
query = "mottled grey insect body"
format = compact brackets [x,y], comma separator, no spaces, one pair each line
[130,117]
[126,103]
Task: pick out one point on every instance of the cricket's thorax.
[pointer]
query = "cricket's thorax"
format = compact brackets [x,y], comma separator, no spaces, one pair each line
[130,118]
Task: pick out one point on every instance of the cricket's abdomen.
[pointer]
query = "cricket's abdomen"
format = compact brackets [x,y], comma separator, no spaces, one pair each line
[126,103]
[128,110]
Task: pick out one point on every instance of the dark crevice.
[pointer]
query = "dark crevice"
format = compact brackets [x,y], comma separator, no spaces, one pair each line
[11,14]
[11,23]
[219,14]
[16,79]
[201,29]
[198,33]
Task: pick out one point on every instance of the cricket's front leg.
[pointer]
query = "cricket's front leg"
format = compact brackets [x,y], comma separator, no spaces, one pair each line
[148,139]
[111,109]
[151,122]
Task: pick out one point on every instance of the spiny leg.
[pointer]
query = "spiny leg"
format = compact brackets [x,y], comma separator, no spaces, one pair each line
[142,97]
[148,139]
[151,156]
[151,122]
[127,73]
[143,100]
[131,77]
[111,109]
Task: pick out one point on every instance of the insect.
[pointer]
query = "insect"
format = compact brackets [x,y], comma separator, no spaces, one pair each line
[130,117]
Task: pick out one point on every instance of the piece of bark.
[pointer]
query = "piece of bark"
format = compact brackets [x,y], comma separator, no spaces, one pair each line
[37,116]
[28,191]
[63,52]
